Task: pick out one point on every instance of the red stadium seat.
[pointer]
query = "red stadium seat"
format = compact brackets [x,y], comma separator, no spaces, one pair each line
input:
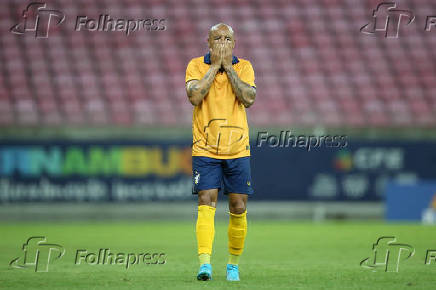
[312,66]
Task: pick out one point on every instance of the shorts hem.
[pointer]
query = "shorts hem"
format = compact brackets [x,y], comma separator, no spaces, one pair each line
[213,187]
[227,192]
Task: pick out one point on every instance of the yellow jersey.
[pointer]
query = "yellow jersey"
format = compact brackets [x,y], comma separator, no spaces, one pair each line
[219,122]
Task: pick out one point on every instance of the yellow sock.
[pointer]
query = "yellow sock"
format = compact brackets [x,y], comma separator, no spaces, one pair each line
[233,259]
[237,232]
[204,259]
[205,230]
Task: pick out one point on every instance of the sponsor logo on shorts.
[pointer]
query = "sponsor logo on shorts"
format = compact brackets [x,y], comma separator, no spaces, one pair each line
[196,177]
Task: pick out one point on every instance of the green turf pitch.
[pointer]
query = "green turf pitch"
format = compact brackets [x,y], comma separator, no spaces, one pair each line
[278,255]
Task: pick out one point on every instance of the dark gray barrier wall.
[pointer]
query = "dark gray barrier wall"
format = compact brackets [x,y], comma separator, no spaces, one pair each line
[155,170]
[358,171]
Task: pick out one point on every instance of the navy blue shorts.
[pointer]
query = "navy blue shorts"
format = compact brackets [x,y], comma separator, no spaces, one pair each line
[232,175]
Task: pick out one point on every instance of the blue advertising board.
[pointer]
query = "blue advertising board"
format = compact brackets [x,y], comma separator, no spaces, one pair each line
[60,170]
[409,201]
[356,172]
[94,171]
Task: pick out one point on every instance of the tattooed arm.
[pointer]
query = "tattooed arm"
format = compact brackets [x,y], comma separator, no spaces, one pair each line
[243,91]
[198,89]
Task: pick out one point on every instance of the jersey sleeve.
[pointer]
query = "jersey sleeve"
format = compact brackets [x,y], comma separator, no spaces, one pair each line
[192,72]
[247,74]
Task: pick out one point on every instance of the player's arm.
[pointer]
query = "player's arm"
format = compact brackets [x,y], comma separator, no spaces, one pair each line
[198,89]
[243,91]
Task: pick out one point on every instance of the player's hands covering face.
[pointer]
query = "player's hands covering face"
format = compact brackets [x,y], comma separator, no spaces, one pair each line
[226,55]
[215,55]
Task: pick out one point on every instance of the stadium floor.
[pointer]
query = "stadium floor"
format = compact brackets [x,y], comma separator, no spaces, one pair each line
[278,255]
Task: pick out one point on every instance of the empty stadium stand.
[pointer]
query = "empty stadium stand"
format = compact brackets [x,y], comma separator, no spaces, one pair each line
[313,65]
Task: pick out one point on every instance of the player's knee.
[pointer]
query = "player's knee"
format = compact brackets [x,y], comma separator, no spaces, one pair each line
[237,206]
[206,199]
[237,209]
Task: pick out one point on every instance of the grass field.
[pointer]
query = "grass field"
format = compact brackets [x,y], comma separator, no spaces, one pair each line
[278,255]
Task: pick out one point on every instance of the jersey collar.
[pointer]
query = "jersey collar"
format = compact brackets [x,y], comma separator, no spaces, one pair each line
[235,60]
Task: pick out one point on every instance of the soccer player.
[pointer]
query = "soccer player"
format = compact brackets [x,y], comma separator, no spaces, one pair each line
[220,86]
